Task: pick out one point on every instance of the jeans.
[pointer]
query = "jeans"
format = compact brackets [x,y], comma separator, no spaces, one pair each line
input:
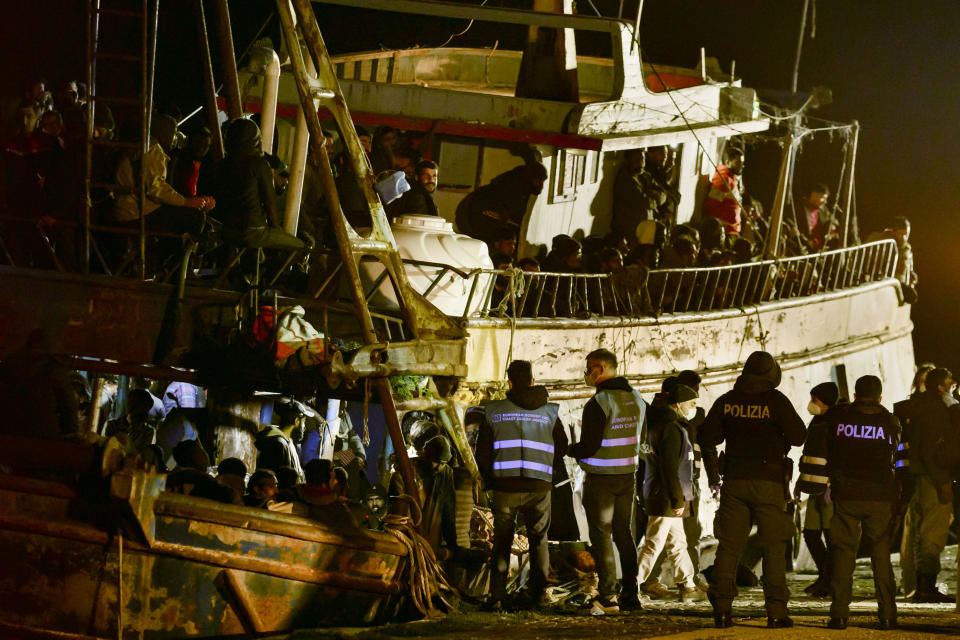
[609,503]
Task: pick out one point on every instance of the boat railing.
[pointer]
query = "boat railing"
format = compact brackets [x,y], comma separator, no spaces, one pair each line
[636,292]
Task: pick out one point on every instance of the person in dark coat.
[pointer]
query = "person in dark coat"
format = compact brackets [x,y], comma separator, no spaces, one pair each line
[192,478]
[668,484]
[930,509]
[245,194]
[759,425]
[274,449]
[419,200]
[502,204]
[814,480]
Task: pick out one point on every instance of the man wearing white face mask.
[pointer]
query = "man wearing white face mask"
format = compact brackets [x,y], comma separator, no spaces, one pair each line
[668,484]
[814,480]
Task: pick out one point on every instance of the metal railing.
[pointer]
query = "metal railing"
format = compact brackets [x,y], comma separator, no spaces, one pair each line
[635,292]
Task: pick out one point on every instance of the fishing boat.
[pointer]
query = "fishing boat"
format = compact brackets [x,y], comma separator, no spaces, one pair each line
[173,566]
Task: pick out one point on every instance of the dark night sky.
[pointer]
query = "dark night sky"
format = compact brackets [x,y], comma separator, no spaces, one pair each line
[892,65]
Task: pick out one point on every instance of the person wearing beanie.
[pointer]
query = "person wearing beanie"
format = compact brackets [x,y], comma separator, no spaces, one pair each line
[693,530]
[759,426]
[814,481]
[519,443]
[437,496]
[668,485]
[859,447]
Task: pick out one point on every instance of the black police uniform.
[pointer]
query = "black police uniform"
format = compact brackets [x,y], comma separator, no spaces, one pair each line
[860,450]
[759,425]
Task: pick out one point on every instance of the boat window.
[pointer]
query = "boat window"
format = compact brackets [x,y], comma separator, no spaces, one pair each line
[572,168]
[460,160]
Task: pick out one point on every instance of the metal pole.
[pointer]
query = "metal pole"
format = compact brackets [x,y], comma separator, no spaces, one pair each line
[848,195]
[796,61]
[772,243]
[93,29]
[209,84]
[144,134]
[228,60]
[338,219]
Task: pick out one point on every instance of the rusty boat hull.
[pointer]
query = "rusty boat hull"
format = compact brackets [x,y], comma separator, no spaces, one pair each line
[84,559]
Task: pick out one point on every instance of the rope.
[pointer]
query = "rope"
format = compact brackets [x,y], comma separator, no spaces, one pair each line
[366,411]
[425,575]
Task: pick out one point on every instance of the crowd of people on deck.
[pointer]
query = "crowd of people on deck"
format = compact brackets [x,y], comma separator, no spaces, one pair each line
[637,471]
[240,202]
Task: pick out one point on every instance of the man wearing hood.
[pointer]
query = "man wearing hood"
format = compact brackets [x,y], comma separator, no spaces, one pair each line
[759,425]
[519,441]
[276,450]
[668,484]
[245,192]
[815,481]
[609,452]
[930,509]
[860,445]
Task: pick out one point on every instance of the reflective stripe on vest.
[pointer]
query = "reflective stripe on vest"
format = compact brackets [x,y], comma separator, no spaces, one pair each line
[620,448]
[522,440]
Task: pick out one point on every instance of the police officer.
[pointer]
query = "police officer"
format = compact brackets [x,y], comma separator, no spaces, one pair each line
[608,451]
[759,425]
[859,448]
[519,439]
[814,481]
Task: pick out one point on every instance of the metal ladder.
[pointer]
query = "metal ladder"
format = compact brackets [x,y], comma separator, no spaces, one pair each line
[141,15]
[424,321]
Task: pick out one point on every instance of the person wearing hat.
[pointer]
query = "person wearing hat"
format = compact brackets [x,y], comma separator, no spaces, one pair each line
[815,481]
[520,441]
[668,484]
[692,528]
[759,425]
[437,497]
[859,448]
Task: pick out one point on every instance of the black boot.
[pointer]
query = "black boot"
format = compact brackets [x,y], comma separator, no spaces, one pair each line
[837,623]
[927,591]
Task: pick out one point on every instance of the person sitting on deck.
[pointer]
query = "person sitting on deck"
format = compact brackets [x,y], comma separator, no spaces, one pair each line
[502,204]
[724,199]
[243,183]
[191,476]
[165,208]
[436,495]
[419,200]
[262,489]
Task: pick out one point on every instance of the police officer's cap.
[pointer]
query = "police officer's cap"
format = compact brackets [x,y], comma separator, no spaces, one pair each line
[827,393]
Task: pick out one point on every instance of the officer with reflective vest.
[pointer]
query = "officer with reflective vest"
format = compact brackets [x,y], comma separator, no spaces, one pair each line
[608,453]
[814,481]
[859,447]
[759,425]
[519,441]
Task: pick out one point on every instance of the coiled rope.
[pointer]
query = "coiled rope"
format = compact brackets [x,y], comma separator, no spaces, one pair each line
[425,575]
